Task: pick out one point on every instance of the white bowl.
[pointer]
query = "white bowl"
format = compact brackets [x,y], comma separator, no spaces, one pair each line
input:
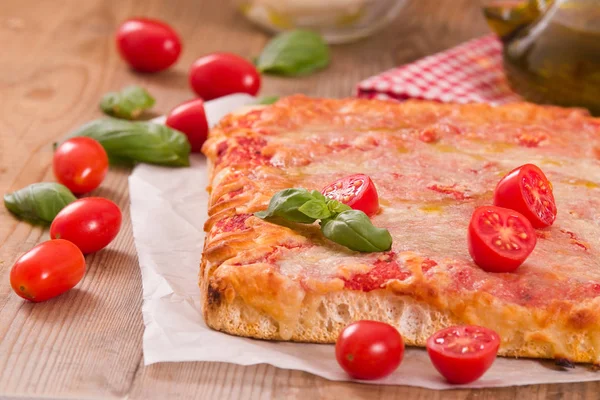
[338,21]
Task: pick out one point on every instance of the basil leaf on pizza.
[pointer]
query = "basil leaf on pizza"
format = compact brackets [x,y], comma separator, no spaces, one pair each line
[336,207]
[339,223]
[316,209]
[286,203]
[354,230]
[318,195]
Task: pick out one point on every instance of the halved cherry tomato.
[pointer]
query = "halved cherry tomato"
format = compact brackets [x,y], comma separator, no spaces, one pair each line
[148,45]
[357,191]
[369,349]
[80,164]
[190,118]
[48,270]
[462,354]
[220,74]
[500,239]
[90,223]
[527,190]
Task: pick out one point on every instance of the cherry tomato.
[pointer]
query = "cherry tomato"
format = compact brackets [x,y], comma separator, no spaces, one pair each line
[189,118]
[357,191]
[220,74]
[148,45]
[90,223]
[80,164]
[500,239]
[369,349]
[48,270]
[462,354]
[527,190]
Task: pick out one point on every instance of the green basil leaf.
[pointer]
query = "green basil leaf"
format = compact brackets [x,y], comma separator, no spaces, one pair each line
[318,196]
[40,202]
[129,103]
[268,100]
[336,207]
[144,142]
[286,204]
[316,209]
[354,230]
[297,52]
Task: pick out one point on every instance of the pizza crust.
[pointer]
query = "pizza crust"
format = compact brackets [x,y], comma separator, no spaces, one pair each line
[322,318]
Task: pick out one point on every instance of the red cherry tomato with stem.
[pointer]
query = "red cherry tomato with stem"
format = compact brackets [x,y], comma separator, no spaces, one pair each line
[80,164]
[369,349]
[90,223]
[462,354]
[190,118]
[220,74]
[148,45]
[357,191]
[527,190]
[500,239]
[48,270]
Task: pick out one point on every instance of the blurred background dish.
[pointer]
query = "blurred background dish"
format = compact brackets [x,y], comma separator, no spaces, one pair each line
[338,21]
[551,49]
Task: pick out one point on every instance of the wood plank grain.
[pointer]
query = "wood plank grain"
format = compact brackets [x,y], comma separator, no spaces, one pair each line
[87,343]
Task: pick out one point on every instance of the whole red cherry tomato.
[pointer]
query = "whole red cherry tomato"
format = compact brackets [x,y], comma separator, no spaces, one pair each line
[148,45]
[48,270]
[369,349]
[90,223]
[527,190]
[80,164]
[500,239]
[357,191]
[220,74]
[462,354]
[189,118]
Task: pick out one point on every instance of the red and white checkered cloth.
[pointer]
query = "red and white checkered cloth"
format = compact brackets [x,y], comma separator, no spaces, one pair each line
[469,73]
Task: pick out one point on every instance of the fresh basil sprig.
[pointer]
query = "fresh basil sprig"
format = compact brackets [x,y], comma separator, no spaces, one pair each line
[39,202]
[286,204]
[129,103]
[291,53]
[339,223]
[145,142]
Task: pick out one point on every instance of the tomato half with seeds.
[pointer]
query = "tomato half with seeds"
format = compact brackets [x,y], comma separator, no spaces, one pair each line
[48,270]
[357,191]
[369,349]
[500,239]
[527,190]
[462,354]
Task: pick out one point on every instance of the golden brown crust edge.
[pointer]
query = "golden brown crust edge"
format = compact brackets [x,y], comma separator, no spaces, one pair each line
[324,316]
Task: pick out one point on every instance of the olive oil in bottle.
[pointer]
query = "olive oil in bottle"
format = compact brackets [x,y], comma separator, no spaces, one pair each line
[551,49]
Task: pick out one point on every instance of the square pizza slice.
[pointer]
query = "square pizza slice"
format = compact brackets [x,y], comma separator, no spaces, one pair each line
[432,164]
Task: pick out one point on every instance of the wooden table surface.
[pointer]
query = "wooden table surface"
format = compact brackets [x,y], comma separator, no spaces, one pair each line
[57,59]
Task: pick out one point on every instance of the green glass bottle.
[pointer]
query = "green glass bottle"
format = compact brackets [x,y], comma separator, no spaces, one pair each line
[551,49]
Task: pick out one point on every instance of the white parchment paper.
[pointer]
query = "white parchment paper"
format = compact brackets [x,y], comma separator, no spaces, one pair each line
[168,210]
